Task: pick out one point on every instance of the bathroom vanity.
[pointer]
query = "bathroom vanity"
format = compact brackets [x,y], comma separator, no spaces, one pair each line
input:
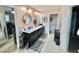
[32,35]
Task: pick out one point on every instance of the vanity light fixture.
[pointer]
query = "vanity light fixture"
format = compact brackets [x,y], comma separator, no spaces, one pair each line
[36,13]
[23,8]
[29,10]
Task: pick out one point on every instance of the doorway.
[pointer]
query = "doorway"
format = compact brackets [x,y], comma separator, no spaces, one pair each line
[10,23]
[7,30]
[53,22]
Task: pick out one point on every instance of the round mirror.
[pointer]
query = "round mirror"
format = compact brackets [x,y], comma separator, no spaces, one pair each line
[27,19]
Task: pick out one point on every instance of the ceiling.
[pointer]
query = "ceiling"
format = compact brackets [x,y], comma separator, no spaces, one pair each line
[46,8]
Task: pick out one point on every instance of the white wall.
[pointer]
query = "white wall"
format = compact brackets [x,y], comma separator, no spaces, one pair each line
[54,11]
[64,17]
[17,28]
[65,26]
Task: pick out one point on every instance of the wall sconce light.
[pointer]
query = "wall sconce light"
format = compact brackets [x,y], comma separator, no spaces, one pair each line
[36,13]
[23,8]
[29,10]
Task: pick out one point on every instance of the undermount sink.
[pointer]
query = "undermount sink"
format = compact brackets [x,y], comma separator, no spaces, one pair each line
[31,29]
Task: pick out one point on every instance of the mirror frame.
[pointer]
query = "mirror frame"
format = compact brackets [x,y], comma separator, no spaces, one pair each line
[24,20]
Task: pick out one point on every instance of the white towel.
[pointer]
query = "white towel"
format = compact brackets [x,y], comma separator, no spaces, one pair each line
[78,32]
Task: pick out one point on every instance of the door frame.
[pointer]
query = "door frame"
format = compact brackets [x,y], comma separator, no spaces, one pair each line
[57,15]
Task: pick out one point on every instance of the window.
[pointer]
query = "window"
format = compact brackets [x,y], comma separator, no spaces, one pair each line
[7,18]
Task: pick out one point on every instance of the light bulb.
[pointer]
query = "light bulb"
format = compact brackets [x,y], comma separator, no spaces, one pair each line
[35,13]
[29,10]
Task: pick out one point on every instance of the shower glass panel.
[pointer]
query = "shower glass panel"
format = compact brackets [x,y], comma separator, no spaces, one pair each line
[3,31]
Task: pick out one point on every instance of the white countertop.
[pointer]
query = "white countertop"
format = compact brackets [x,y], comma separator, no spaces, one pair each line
[32,29]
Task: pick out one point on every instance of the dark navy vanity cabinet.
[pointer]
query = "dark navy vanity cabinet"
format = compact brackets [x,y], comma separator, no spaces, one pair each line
[30,38]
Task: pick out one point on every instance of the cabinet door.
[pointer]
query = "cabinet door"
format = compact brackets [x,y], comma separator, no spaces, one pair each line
[73,44]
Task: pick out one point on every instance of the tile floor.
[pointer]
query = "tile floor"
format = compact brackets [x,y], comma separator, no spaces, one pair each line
[7,46]
[48,46]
